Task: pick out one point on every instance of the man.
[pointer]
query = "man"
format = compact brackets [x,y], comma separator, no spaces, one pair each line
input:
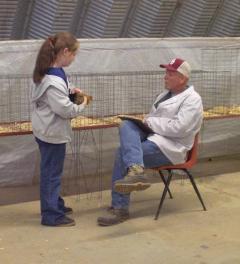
[175,118]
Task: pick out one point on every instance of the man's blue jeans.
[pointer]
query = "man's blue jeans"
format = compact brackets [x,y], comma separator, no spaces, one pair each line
[51,169]
[134,149]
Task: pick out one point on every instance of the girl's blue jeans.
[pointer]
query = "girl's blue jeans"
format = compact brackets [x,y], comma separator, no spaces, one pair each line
[51,169]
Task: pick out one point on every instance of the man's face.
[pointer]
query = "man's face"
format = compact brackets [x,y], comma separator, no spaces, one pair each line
[174,81]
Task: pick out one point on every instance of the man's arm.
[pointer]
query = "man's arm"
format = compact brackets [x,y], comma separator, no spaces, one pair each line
[184,122]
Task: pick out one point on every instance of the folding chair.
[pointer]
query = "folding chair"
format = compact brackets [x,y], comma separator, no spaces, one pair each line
[191,161]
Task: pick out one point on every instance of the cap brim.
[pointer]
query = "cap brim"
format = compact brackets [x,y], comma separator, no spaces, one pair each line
[163,65]
[168,67]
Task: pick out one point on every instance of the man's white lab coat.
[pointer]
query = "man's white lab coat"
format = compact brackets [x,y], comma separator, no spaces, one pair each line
[175,123]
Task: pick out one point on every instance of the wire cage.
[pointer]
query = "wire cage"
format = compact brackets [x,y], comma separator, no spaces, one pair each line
[14,105]
[90,153]
[129,93]
[220,91]
[119,93]
[113,94]
[221,81]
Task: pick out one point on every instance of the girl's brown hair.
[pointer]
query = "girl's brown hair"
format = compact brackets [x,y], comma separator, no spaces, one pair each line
[49,51]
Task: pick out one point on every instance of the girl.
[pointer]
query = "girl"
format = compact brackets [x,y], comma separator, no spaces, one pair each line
[52,111]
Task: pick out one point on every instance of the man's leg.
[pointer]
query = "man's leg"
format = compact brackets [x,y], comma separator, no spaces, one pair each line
[152,157]
[120,202]
[131,137]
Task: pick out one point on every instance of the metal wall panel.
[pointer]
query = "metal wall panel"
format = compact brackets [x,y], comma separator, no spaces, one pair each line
[97,13]
[7,17]
[167,11]
[42,19]
[21,19]
[64,15]
[151,18]
[227,20]
[191,18]
[205,18]
[118,15]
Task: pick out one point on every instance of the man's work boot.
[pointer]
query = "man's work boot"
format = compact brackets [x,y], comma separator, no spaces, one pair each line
[117,216]
[135,180]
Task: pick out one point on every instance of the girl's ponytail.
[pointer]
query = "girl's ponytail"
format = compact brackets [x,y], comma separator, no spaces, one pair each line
[45,58]
[49,50]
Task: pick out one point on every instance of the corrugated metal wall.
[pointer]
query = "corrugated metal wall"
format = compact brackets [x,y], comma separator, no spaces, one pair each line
[227,20]
[95,19]
[42,19]
[64,15]
[192,18]
[7,18]
[24,19]
[150,18]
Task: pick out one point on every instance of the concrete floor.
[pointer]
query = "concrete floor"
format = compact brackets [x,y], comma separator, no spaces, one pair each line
[183,234]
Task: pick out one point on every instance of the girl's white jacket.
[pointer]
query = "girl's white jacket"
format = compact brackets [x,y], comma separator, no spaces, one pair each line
[175,123]
[52,110]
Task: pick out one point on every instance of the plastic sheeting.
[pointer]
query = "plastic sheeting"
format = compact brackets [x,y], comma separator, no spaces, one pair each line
[19,154]
[114,55]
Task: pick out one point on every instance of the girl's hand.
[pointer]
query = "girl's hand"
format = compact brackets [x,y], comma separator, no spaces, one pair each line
[76,90]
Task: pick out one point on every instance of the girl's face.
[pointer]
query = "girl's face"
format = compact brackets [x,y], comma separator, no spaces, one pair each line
[65,58]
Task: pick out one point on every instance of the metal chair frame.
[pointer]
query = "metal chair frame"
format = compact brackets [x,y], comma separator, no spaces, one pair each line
[190,162]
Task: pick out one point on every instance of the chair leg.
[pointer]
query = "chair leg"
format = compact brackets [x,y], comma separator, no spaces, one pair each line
[164,194]
[195,188]
[164,181]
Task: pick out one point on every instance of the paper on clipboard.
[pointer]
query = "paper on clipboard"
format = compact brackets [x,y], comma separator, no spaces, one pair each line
[137,121]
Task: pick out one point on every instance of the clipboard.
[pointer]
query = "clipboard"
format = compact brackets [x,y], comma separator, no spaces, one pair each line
[138,122]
